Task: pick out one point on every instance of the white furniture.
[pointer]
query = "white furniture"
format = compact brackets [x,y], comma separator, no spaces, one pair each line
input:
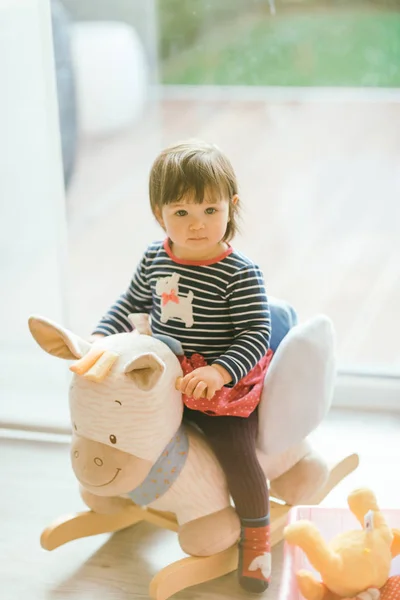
[111,76]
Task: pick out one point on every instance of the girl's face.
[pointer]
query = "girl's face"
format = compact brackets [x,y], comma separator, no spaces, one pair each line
[197,230]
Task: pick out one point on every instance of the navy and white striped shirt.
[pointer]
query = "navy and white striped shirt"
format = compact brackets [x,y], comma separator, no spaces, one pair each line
[217,307]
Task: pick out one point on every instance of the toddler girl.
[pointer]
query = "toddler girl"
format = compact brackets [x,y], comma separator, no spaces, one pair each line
[201,291]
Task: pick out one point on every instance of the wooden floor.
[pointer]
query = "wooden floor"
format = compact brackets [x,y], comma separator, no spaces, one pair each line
[320,188]
[38,486]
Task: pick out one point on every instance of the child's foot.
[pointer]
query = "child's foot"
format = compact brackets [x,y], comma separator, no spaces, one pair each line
[254,555]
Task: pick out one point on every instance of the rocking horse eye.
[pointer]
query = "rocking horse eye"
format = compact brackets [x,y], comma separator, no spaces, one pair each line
[113,439]
[76,454]
[75,427]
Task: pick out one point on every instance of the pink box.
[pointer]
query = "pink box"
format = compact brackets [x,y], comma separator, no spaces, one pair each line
[330,522]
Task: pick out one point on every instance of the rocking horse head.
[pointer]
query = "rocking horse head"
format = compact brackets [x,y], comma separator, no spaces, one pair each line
[123,403]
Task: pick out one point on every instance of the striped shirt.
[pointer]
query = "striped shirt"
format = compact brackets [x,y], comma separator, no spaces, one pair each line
[217,307]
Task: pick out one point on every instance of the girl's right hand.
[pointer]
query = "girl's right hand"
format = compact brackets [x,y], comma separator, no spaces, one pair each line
[178,384]
[96,336]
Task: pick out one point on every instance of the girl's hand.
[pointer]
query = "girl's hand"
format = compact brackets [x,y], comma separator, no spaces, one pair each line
[370,594]
[96,336]
[202,382]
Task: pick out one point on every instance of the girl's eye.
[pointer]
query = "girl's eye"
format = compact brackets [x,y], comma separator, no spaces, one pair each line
[181,213]
[210,211]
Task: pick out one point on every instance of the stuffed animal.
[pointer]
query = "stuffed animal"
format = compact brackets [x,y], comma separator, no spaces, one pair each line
[129,442]
[355,564]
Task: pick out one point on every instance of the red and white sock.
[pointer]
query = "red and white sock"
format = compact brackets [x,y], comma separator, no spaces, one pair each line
[255,555]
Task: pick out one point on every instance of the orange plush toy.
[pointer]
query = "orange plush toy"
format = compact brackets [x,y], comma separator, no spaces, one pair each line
[353,565]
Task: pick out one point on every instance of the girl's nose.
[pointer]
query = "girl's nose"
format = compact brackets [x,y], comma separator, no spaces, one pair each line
[196,224]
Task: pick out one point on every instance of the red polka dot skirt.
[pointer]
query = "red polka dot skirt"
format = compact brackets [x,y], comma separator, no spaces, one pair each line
[237,401]
[391,589]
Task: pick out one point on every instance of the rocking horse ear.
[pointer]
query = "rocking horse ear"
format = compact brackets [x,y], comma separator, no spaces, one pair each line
[145,370]
[57,340]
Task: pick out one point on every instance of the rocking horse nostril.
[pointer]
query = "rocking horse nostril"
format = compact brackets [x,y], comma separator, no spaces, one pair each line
[97,461]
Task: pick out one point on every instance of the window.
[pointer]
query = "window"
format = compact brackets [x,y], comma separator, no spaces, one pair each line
[303,96]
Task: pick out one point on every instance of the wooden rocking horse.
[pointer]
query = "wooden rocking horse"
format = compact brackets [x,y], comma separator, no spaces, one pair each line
[137,461]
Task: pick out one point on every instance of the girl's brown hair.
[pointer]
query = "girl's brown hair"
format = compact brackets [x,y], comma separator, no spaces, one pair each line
[191,168]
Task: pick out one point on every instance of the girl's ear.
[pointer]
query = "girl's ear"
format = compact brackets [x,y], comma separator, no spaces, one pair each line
[158,215]
[233,202]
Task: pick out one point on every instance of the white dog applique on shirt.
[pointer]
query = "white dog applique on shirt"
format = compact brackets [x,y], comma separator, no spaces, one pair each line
[174,306]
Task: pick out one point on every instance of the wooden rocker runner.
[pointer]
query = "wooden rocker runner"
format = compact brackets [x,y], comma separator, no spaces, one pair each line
[188,571]
[137,461]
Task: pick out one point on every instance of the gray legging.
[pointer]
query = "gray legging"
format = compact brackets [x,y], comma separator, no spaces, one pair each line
[233,439]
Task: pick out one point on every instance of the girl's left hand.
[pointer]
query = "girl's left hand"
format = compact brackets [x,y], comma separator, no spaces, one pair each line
[201,382]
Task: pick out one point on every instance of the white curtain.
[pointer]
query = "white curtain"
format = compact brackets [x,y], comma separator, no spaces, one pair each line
[32,222]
